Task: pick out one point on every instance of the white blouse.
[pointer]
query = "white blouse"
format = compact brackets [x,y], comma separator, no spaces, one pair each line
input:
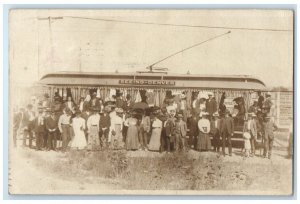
[204,125]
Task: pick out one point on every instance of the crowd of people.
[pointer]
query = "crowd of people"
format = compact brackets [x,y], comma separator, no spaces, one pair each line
[95,124]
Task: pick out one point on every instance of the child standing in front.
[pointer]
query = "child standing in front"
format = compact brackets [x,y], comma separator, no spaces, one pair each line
[247,145]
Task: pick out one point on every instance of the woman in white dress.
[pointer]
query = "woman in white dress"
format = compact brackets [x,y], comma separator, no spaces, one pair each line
[93,130]
[79,140]
[116,130]
[154,144]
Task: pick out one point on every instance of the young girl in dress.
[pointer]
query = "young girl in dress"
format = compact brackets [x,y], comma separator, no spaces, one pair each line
[247,145]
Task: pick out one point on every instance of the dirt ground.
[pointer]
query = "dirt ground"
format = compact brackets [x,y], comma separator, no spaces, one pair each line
[138,172]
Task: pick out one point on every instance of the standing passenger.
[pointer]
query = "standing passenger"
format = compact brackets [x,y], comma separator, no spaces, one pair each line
[250,127]
[40,129]
[227,131]
[52,128]
[154,144]
[144,130]
[204,143]
[78,125]
[104,126]
[132,138]
[28,121]
[216,131]
[64,128]
[211,105]
[116,127]
[181,130]
[93,130]
[269,127]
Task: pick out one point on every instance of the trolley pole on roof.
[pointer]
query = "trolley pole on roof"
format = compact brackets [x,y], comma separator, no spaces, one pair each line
[150,67]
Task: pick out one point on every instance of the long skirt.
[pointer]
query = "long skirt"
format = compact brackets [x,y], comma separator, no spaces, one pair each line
[132,138]
[117,138]
[79,140]
[93,139]
[203,142]
[154,144]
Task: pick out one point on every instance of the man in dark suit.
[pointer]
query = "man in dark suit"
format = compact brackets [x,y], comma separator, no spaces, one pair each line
[52,128]
[170,133]
[227,131]
[211,105]
[180,133]
[260,100]
[104,125]
[28,122]
[17,123]
[194,131]
[269,127]
[39,129]
[216,131]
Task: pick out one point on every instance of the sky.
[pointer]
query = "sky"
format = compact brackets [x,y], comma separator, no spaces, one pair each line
[69,43]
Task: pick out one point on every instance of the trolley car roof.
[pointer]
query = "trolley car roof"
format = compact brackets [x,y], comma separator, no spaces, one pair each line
[176,81]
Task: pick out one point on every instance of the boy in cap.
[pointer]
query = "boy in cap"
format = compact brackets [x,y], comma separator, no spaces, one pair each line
[269,128]
[180,132]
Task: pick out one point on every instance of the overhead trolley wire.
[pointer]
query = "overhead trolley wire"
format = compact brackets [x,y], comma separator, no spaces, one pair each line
[181,25]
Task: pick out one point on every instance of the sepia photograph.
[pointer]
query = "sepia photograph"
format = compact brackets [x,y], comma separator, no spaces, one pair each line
[151,102]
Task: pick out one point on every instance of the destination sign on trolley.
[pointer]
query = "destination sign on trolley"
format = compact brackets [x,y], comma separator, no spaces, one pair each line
[147,82]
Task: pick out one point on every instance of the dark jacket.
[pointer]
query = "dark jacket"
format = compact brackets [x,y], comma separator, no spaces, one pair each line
[51,123]
[215,129]
[170,127]
[104,121]
[211,106]
[269,128]
[38,128]
[193,126]
[227,125]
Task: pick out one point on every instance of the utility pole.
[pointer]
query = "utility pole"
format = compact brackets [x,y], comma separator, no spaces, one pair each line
[50,20]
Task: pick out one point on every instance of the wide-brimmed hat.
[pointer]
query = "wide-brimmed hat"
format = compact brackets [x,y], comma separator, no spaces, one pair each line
[46,95]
